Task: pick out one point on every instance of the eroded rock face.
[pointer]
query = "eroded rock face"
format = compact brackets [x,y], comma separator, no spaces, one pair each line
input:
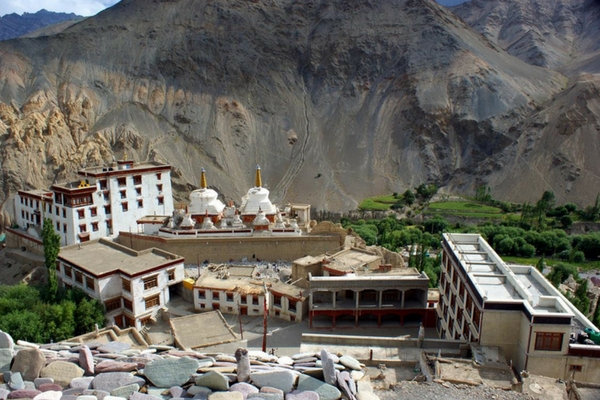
[336,101]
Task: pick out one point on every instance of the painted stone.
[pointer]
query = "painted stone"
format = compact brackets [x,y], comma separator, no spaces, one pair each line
[109,381]
[62,372]
[281,379]
[86,360]
[350,362]
[169,372]
[29,362]
[325,390]
[213,380]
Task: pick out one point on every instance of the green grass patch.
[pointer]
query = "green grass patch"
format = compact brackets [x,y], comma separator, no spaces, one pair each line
[385,199]
[372,205]
[464,207]
[467,209]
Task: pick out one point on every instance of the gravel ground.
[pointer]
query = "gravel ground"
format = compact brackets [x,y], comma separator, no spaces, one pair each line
[447,391]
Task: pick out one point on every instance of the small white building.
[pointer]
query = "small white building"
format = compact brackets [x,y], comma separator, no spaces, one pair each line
[105,200]
[132,285]
[241,290]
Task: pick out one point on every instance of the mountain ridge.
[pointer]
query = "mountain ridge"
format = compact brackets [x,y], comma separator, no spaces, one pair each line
[14,25]
[335,101]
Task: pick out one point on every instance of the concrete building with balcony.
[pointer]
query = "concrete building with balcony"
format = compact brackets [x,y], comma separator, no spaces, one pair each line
[132,285]
[353,287]
[103,201]
[513,307]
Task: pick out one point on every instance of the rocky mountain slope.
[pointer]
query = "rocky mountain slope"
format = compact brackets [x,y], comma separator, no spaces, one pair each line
[547,33]
[15,25]
[558,143]
[335,100]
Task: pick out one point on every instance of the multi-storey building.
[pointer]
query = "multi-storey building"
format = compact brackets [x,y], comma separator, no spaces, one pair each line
[104,200]
[484,300]
[132,285]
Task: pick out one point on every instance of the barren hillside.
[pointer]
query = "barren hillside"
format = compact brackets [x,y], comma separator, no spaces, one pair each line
[335,100]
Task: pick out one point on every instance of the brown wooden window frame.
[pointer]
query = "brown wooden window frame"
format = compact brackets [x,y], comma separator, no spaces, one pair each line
[126,284]
[112,304]
[152,301]
[549,341]
[150,282]
[89,283]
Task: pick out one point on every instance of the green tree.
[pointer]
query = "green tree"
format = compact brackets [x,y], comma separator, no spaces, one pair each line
[582,300]
[23,325]
[560,272]
[51,242]
[89,312]
[566,221]
[596,317]
[541,264]
[483,194]
[435,225]
[409,197]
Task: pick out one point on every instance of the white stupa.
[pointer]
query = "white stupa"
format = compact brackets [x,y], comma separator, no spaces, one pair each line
[204,202]
[257,199]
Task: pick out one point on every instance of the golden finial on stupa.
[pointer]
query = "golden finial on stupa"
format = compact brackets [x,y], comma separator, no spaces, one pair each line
[203,184]
[258,182]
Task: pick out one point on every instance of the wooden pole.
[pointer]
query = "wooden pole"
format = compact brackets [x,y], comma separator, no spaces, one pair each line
[265,314]
[240,321]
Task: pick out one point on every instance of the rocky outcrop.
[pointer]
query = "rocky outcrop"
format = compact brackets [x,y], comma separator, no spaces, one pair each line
[548,34]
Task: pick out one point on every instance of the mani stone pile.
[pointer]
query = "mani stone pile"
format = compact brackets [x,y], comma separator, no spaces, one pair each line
[115,371]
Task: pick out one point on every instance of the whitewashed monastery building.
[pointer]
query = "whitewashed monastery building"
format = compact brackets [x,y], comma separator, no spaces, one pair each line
[105,200]
[132,285]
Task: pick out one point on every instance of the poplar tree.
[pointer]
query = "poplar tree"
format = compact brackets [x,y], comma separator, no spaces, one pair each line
[51,242]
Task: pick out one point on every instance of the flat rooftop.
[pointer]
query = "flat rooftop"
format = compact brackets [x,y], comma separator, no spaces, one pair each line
[188,336]
[38,193]
[496,281]
[245,280]
[102,257]
[124,165]
[349,259]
